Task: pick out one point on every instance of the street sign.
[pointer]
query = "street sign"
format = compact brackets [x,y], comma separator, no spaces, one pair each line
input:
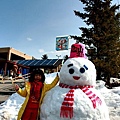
[62,43]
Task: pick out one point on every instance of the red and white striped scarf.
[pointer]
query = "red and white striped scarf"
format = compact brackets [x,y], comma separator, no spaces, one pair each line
[67,105]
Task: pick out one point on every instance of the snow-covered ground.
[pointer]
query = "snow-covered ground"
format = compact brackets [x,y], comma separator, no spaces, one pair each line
[9,109]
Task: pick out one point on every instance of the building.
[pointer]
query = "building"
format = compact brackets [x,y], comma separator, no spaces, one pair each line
[9,55]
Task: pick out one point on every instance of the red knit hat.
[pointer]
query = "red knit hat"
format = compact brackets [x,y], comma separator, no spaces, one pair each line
[77,50]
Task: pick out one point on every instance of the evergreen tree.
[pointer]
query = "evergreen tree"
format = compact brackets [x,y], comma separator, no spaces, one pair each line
[103,32]
[65,58]
[45,56]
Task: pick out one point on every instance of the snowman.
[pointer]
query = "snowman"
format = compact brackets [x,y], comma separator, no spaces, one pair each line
[75,97]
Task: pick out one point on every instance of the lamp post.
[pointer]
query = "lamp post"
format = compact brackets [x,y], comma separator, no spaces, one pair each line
[58,56]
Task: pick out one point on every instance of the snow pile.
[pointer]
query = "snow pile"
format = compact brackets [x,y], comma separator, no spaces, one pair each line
[9,109]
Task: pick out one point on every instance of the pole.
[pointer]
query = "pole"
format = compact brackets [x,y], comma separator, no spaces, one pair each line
[58,56]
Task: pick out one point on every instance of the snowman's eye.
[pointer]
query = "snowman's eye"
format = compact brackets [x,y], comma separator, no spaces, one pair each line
[82,70]
[71,71]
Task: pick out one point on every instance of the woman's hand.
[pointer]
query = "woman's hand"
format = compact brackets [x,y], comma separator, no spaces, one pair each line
[16,87]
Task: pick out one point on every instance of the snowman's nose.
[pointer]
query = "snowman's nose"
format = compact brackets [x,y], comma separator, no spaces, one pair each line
[76,77]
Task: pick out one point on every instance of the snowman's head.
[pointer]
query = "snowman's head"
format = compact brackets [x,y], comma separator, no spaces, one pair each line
[78,71]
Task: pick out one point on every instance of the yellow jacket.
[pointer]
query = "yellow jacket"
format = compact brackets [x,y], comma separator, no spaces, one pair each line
[26,93]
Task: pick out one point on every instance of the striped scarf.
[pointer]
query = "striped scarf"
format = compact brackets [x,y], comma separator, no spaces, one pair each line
[67,105]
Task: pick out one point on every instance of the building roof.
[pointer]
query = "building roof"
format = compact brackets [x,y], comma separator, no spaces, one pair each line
[40,62]
[9,53]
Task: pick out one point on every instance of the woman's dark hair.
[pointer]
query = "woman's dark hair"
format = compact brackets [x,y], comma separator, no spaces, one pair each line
[37,71]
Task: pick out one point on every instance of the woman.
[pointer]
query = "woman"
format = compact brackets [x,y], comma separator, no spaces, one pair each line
[34,93]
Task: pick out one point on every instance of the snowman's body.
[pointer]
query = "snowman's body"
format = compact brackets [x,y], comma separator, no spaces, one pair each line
[75,72]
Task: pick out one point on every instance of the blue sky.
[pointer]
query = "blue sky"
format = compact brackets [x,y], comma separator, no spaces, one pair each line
[31,26]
